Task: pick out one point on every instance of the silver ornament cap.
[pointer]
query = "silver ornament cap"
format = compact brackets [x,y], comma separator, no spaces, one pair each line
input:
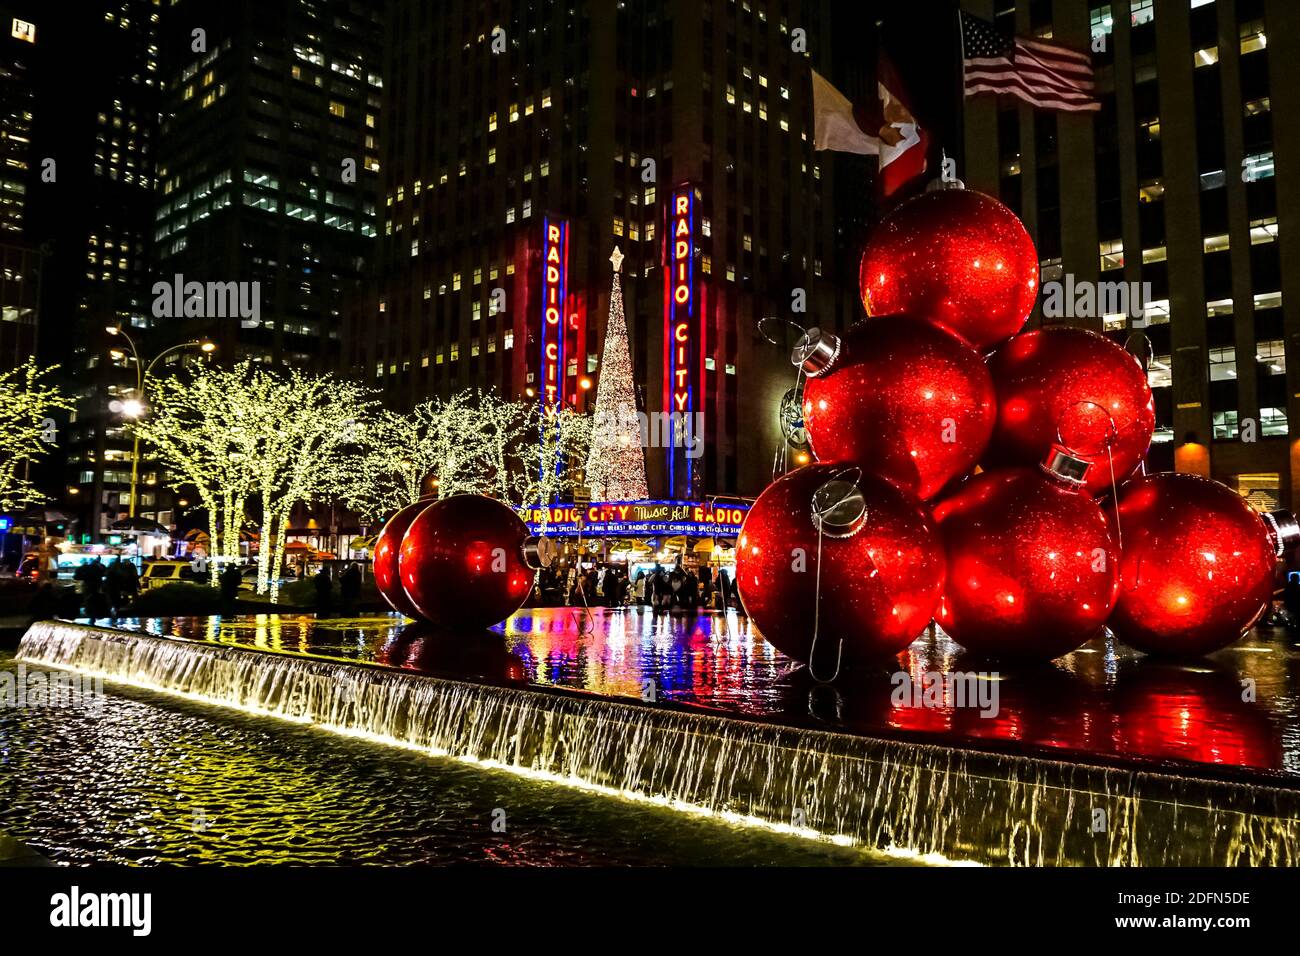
[1285,530]
[538,552]
[839,509]
[1066,467]
[816,351]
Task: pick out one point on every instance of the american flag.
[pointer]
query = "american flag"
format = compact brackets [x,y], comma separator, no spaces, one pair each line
[1043,74]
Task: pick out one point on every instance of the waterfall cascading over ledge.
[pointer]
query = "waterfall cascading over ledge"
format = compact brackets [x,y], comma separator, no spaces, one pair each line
[964,805]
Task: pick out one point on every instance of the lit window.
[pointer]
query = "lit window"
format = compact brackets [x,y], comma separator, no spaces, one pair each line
[1143,11]
[1216,243]
[1253,37]
[1225,424]
[338,109]
[1206,57]
[1271,356]
[1263,230]
[1223,364]
[1112,254]
[1272,422]
[1256,167]
[1101,21]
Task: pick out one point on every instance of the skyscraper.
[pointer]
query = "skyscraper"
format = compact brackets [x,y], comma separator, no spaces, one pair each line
[528,138]
[20,260]
[90,196]
[267,163]
[1186,181]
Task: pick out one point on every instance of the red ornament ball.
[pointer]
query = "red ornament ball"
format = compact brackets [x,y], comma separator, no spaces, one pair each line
[1076,387]
[957,257]
[881,568]
[1197,566]
[905,400]
[462,562]
[387,549]
[1032,565]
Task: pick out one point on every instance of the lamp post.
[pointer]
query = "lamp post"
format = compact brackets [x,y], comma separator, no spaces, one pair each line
[135,406]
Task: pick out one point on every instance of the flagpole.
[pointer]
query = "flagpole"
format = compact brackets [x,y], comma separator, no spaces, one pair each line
[961,93]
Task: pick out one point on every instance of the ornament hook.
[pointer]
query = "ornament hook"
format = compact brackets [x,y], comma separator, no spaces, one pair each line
[765,322]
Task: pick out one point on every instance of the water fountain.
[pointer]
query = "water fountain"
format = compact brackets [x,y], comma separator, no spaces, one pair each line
[961,804]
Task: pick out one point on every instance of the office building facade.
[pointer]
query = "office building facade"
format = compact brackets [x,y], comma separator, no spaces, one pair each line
[527,140]
[1188,181]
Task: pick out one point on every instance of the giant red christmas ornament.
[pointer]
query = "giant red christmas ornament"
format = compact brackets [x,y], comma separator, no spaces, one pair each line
[465,560]
[1076,387]
[880,568]
[1197,566]
[1032,565]
[901,397]
[387,547]
[957,257]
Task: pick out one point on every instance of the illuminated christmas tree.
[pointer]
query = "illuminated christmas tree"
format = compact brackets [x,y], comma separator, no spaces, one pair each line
[616,462]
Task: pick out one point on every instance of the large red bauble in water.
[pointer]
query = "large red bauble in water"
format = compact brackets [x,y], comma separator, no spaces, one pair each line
[387,549]
[905,400]
[1032,565]
[1077,388]
[462,562]
[881,574]
[1197,565]
[957,257]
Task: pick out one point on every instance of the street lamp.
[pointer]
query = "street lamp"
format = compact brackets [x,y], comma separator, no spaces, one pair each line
[134,407]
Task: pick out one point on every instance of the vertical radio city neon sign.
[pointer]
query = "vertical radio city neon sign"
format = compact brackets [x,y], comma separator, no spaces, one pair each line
[555,280]
[681,343]
[555,293]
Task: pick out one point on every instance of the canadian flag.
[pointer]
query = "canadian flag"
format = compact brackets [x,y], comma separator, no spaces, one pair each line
[886,130]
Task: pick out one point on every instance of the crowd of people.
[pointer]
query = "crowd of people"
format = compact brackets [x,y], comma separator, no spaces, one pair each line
[661,588]
[106,589]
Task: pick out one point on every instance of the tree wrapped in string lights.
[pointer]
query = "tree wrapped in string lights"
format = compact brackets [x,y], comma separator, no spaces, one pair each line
[26,431]
[616,462]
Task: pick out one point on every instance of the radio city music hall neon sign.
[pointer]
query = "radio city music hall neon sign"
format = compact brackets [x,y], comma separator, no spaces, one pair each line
[680,342]
[555,279]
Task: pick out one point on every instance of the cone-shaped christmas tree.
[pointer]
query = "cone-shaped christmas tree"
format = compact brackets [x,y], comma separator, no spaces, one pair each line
[616,463]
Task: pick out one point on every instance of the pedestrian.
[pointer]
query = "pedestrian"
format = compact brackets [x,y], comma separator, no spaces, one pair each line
[706,587]
[229,580]
[1291,599]
[90,577]
[130,582]
[638,589]
[609,588]
[324,587]
[350,586]
[113,584]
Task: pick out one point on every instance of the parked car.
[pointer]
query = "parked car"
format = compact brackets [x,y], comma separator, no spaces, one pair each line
[158,573]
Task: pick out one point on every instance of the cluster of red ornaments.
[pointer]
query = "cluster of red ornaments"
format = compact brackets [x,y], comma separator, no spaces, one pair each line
[960,466]
[462,562]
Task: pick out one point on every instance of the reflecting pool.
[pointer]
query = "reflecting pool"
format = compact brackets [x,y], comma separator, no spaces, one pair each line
[1237,708]
[146,778]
